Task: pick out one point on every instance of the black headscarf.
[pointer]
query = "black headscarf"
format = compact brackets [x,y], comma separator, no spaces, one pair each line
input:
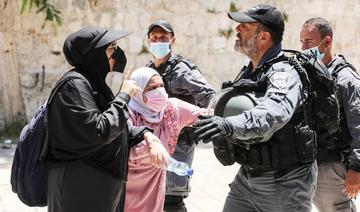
[85,50]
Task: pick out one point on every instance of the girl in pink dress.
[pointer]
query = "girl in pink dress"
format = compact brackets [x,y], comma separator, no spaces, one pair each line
[145,189]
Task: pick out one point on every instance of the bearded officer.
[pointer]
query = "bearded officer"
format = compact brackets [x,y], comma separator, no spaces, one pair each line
[278,174]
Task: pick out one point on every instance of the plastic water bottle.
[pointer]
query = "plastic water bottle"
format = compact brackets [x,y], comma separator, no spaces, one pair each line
[179,168]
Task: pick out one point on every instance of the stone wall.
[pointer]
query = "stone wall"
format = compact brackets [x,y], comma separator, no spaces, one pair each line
[201,29]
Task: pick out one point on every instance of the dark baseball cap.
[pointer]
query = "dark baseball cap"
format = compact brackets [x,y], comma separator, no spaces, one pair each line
[96,37]
[265,14]
[111,36]
[163,24]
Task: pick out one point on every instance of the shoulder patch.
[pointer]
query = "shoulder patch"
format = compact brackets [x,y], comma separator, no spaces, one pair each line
[280,79]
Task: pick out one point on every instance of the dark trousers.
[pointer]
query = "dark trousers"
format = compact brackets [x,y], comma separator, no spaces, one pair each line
[291,192]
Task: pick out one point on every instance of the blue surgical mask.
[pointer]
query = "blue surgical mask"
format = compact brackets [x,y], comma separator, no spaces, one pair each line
[314,51]
[160,49]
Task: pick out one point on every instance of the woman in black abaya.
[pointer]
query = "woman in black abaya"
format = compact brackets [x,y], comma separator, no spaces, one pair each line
[88,131]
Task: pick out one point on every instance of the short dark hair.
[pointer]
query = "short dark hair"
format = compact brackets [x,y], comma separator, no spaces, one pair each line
[322,25]
[275,37]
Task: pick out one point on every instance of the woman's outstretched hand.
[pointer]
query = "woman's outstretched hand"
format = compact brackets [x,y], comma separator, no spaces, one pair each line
[129,86]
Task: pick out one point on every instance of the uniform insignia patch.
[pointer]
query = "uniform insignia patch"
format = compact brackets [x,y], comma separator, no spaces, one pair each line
[280,79]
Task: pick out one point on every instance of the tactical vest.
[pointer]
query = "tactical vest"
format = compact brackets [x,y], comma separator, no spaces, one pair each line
[288,148]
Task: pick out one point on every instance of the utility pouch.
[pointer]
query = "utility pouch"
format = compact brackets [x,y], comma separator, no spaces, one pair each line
[305,143]
[224,152]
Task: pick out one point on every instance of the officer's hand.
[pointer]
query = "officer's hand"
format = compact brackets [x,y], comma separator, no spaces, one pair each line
[352,183]
[211,128]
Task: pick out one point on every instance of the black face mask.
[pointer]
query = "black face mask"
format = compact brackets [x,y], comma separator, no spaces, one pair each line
[120,60]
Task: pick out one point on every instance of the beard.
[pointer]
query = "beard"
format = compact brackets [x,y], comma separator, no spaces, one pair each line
[247,47]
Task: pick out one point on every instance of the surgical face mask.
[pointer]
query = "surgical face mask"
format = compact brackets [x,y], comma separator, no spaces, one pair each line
[156,99]
[160,49]
[315,51]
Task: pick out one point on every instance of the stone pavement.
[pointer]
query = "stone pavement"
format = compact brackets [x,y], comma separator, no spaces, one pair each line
[209,183]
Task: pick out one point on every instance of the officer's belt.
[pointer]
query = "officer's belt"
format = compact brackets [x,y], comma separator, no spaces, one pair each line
[280,171]
[261,160]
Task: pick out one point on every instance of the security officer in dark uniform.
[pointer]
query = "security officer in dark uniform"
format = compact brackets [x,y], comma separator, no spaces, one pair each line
[278,173]
[182,80]
[339,162]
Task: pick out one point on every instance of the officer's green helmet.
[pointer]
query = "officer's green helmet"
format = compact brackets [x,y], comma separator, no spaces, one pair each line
[238,104]
[230,102]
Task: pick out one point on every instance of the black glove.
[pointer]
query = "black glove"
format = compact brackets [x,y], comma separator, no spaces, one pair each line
[247,85]
[212,128]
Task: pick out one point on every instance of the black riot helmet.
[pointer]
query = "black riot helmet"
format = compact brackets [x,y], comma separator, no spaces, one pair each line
[231,102]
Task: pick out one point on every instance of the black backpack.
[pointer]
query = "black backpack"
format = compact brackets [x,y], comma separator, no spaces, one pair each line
[29,170]
[323,102]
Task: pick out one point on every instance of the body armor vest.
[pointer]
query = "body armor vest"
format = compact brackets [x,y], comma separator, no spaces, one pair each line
[288,148]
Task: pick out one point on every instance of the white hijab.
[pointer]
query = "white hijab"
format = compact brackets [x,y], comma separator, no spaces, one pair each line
[142,76]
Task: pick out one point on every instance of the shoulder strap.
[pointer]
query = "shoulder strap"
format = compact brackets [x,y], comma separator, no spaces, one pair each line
[189,64]
[149,64]
[170,65]
[70,75]
[240,74]
[177,59]
[266,66]
[340,66]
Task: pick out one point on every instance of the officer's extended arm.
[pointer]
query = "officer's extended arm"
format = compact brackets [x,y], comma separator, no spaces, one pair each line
[282,98]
